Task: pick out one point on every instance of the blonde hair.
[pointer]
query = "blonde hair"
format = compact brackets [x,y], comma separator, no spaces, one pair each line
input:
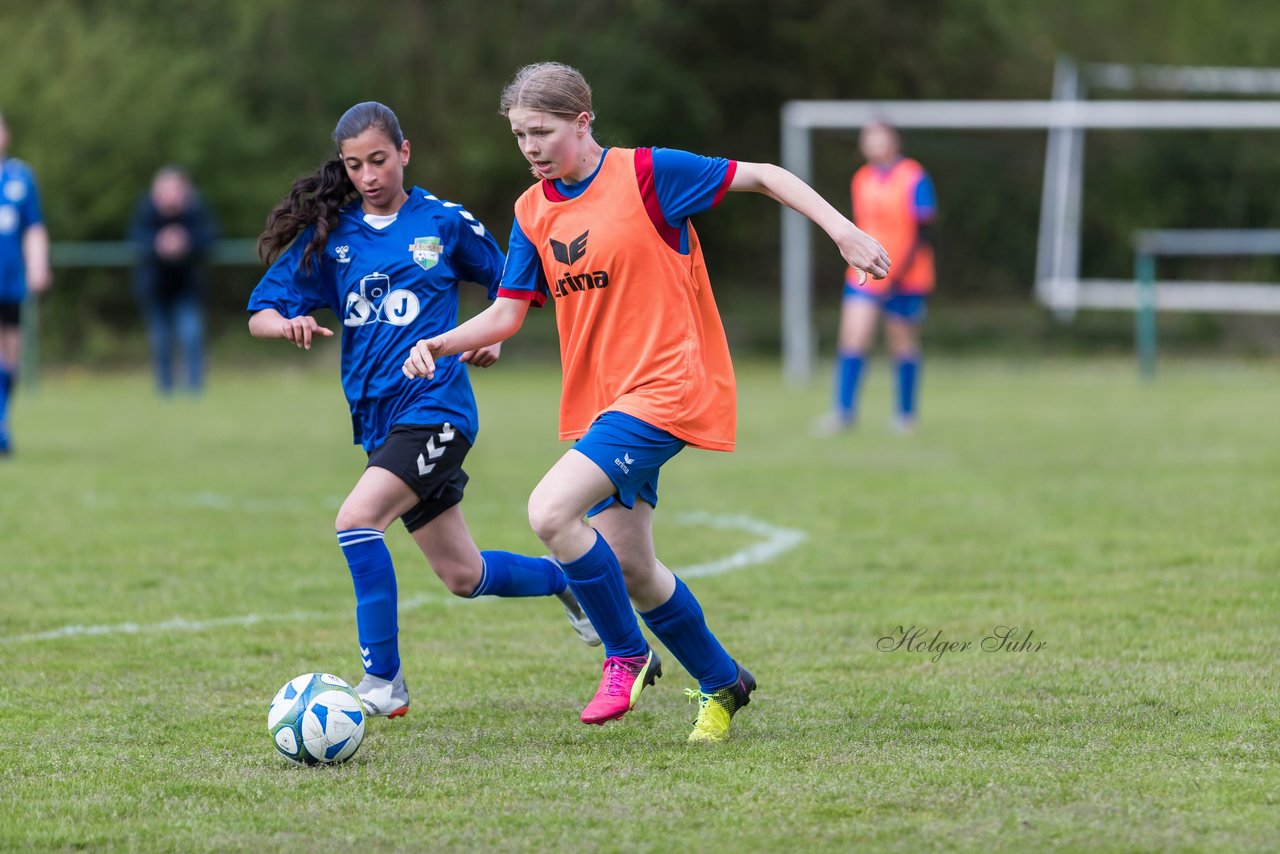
[548,87]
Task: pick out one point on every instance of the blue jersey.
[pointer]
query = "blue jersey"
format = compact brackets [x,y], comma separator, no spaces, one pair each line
[684,184]
[19,210]
[391,287]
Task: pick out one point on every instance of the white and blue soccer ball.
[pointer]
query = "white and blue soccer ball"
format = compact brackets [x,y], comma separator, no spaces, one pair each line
[316,719]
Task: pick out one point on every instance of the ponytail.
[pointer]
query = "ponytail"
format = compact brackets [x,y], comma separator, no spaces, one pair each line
[314,200]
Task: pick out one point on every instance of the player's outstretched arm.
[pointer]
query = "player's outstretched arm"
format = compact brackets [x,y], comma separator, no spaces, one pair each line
[860,249]
[496,323]
[269,323]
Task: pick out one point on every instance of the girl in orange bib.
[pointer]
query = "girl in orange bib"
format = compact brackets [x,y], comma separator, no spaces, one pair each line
[893,197]
[606,234]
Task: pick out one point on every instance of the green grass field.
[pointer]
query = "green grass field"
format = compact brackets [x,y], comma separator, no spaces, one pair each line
[167,565]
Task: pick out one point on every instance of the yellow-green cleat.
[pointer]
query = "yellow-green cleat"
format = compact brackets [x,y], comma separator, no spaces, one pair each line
[716,710]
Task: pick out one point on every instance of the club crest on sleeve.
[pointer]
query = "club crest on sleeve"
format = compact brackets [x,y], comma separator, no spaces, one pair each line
[426,251]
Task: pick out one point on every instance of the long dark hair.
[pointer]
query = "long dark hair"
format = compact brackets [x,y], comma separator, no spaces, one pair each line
[315,199]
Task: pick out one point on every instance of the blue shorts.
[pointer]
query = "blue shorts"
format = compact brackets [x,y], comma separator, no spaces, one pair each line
[908,307]
[630,452]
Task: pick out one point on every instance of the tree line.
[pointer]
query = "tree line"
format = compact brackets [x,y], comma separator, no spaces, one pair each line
[244,94]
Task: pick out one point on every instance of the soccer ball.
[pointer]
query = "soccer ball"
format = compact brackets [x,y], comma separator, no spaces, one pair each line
[316,719]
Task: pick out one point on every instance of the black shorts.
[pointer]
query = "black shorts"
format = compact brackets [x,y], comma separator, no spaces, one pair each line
[429,459]
[10,314]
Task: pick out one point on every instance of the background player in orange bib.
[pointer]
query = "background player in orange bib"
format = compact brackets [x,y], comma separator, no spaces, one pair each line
[606,233]
[893,198]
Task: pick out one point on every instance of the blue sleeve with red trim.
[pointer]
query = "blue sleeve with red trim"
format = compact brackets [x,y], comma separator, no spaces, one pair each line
[688,184]
[523,277]
[926,201]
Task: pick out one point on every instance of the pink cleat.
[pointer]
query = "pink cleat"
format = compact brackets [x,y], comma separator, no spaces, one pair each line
[620,687]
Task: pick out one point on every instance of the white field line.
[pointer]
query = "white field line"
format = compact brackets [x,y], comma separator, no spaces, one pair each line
[178,624]
[774,541]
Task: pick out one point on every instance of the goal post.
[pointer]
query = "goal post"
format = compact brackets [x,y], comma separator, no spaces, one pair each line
[1057,283]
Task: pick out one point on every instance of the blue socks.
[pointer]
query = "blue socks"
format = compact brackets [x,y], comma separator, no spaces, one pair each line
[908,378]
[6,388]
[374,577]
[679,624]
[596,580]
[848,373]
[375,581]
[510,574]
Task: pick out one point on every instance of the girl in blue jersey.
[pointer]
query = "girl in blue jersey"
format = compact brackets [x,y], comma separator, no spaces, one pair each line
[24,264]
[387,262]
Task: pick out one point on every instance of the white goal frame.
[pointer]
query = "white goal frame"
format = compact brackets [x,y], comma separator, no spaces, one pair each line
[1065,118]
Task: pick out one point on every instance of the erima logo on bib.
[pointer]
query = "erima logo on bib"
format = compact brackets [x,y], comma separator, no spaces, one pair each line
[568,254]
[572,251]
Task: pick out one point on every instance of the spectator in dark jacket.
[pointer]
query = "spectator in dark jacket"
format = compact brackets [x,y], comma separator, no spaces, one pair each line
[174,233]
